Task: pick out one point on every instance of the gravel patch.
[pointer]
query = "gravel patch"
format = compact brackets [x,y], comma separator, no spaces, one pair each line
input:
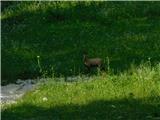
[11,92]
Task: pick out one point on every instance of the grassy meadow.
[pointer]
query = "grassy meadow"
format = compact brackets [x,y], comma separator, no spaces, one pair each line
[59,32]
[133,95]
[47,39]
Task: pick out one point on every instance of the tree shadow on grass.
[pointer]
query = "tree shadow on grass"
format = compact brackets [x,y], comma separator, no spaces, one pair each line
[124,109]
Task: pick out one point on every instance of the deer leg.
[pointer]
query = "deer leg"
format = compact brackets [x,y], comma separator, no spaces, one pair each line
[88,68]
[99,67]
[102,67]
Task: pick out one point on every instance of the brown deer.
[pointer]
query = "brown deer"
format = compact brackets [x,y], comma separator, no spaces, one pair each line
[92,62]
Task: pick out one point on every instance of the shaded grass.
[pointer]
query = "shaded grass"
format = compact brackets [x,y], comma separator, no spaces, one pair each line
[97,110]
[58,32]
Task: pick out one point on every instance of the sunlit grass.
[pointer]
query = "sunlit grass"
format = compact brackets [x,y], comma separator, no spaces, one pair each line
[135,90]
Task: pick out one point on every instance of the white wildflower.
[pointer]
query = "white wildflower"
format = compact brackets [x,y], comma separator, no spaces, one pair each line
[113,106]
[45,99]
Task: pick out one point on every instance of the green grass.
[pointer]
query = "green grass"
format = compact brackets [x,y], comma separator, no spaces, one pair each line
[132,95]
[125,32]
[58,32]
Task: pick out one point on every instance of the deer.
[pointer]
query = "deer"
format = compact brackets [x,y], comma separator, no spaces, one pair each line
[92,62]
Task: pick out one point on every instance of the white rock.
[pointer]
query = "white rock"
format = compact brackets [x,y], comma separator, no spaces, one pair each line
[10,88]
[19,81]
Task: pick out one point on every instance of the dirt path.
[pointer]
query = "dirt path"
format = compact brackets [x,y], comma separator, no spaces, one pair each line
[11,92]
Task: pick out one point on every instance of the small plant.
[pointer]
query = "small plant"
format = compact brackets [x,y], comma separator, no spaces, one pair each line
[52,72]
[98,71]
[39,65]
[149,62]
[108,65]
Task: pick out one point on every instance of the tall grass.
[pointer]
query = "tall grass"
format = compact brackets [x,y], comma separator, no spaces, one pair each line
[130,95]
